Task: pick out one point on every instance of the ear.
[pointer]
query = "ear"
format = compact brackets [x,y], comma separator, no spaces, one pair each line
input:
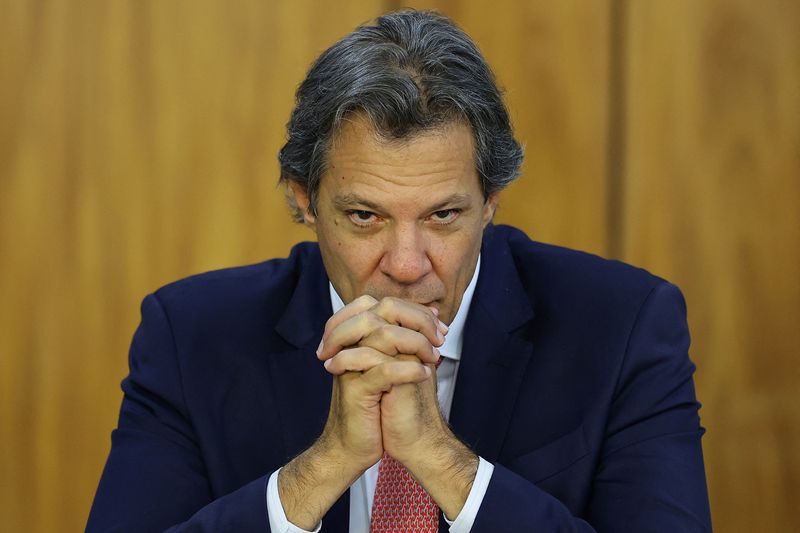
[298,195]
[489,207]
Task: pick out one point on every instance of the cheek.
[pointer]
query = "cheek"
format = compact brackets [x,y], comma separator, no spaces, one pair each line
[452,251]
[353,258]
[331,234]
[358,263]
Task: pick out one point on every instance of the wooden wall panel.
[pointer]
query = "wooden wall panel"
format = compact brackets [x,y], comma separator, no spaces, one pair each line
[137,146]
[553,59]
[712,196]
[138,141]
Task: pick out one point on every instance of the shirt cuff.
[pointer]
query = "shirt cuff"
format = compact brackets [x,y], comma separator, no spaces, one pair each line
[278,523]
[465,519]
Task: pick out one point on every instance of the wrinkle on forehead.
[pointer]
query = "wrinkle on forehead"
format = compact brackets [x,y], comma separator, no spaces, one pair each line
[432,165]
[451,145]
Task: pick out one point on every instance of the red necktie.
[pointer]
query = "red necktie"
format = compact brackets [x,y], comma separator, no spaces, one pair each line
[401,505]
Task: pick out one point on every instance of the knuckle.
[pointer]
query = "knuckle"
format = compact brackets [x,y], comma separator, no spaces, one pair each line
[387,369]
[329,324]
[366,356]
[366,301]
[371,324]
[364,320]
[385,331]
[386,305]
[395,306]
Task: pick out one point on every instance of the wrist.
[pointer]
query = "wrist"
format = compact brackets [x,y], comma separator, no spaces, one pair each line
[312,482]
[347,462]
[446,468]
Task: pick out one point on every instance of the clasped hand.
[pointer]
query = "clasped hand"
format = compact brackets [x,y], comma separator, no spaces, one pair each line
[383,355]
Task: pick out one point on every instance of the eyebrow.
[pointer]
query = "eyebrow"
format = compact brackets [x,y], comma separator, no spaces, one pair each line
[348,201]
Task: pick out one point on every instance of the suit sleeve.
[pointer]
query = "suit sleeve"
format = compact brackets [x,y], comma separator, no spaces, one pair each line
[154,478]
[650,475]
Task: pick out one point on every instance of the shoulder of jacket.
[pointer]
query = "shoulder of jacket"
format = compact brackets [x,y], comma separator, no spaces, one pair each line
[240,282]
[550,265]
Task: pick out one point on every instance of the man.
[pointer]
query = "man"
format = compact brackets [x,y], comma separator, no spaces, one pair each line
[419,369]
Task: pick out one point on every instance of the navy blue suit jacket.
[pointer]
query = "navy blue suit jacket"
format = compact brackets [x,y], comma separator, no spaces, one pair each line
[574,381]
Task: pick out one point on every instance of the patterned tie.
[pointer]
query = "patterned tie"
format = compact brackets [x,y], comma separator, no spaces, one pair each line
[401,505]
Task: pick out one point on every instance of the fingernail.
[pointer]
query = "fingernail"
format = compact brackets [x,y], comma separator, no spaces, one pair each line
[444,327]
[434,310]
[439,335]
[436,352]
[327,363]
[427,371]
[319,348]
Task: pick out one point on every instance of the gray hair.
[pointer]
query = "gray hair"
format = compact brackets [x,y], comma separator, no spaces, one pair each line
[410,72]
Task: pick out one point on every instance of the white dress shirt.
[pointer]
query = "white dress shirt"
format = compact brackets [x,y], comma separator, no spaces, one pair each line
[362,490]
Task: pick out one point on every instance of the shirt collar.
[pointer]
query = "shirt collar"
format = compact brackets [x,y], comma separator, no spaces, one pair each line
[454,340]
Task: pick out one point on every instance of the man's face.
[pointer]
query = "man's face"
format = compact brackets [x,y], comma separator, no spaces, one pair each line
[401,218]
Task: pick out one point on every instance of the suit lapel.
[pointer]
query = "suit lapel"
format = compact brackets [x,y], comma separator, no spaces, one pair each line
[495,355]
[300,383]
[302,387]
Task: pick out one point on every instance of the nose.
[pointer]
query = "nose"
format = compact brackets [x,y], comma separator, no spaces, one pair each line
[406,259]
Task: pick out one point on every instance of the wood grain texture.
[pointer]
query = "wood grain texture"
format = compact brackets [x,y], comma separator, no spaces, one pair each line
[712,196]
[138,145]
[138,142]
[553,60]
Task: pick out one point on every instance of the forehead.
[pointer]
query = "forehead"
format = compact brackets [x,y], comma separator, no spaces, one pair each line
[437,161]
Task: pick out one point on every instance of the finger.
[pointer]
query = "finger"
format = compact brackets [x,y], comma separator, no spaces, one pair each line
[392,340]
[412,316]
[349,333]
[391,373]
[360,359]
[359,305]
[432,367]
[368,329]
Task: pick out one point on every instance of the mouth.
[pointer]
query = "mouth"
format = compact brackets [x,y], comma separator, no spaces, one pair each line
[425,300]
[433,303]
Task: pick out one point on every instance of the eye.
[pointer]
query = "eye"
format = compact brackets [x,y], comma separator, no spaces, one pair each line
[445,216]
[361,218]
